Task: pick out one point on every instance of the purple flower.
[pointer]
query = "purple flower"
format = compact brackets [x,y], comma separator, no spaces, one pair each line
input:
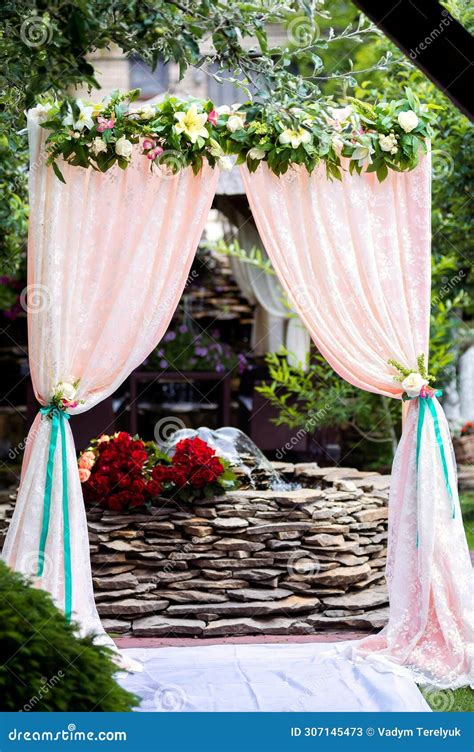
[169,336]
[163,363]
[183,329]
[201,351]
[220,367]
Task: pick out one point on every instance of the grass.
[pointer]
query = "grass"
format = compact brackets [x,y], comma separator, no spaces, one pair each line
[449,700]
[467,508]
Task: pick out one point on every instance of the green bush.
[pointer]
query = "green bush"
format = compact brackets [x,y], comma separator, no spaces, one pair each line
[43,666]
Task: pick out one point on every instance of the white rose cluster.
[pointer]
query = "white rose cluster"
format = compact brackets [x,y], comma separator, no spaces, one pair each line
[388,143]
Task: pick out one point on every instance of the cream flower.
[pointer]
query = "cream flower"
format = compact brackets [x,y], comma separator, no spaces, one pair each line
[341,114]
[224,109]
[362,154]
[388,143]
[295,138]
[66,390]
[413,384]
[98,146]
[235,122]
[408,120]
[124,147]
[223,162]
[146,112]
[192,123]
[83,119]
[256,153]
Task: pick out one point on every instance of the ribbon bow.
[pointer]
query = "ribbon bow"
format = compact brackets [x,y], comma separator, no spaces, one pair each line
[58,418]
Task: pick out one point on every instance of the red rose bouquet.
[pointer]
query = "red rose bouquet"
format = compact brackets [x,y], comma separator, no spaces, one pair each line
[114,472]
[193,472]
[123,472]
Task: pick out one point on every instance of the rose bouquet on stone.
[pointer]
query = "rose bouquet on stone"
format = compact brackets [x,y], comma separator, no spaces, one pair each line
[193,472]
[122,472]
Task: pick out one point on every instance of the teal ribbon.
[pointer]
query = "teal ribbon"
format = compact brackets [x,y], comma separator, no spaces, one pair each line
[425,403]
[58,426]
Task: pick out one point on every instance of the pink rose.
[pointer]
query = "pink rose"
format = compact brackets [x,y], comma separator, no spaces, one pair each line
[102,438]
[148,143]
[105,124]
[155,153]
[87,460]
[212,117]
[84,474]
[68,403]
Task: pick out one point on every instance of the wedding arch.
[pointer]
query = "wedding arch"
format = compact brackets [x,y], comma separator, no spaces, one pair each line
[341,198]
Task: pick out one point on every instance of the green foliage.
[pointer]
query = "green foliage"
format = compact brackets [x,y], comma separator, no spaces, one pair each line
[45,667]
[315,396]
[252,256]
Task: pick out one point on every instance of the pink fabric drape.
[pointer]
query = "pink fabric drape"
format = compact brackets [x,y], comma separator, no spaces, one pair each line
[108,259]
[354,259]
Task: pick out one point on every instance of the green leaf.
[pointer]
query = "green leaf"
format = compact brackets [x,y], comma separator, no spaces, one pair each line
[58,172]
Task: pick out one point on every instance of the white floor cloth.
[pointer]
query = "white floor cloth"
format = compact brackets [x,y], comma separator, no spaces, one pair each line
[301,677]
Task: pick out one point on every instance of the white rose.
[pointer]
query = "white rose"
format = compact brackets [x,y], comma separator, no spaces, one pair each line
[98,146]
[224,109]
[413,384]
[66,390]
[256,153]
[235,122]
[124,148]
[225,164]
[408,120]
[388,143]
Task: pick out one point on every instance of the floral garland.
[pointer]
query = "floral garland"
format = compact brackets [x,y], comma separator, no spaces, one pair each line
[175,133]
